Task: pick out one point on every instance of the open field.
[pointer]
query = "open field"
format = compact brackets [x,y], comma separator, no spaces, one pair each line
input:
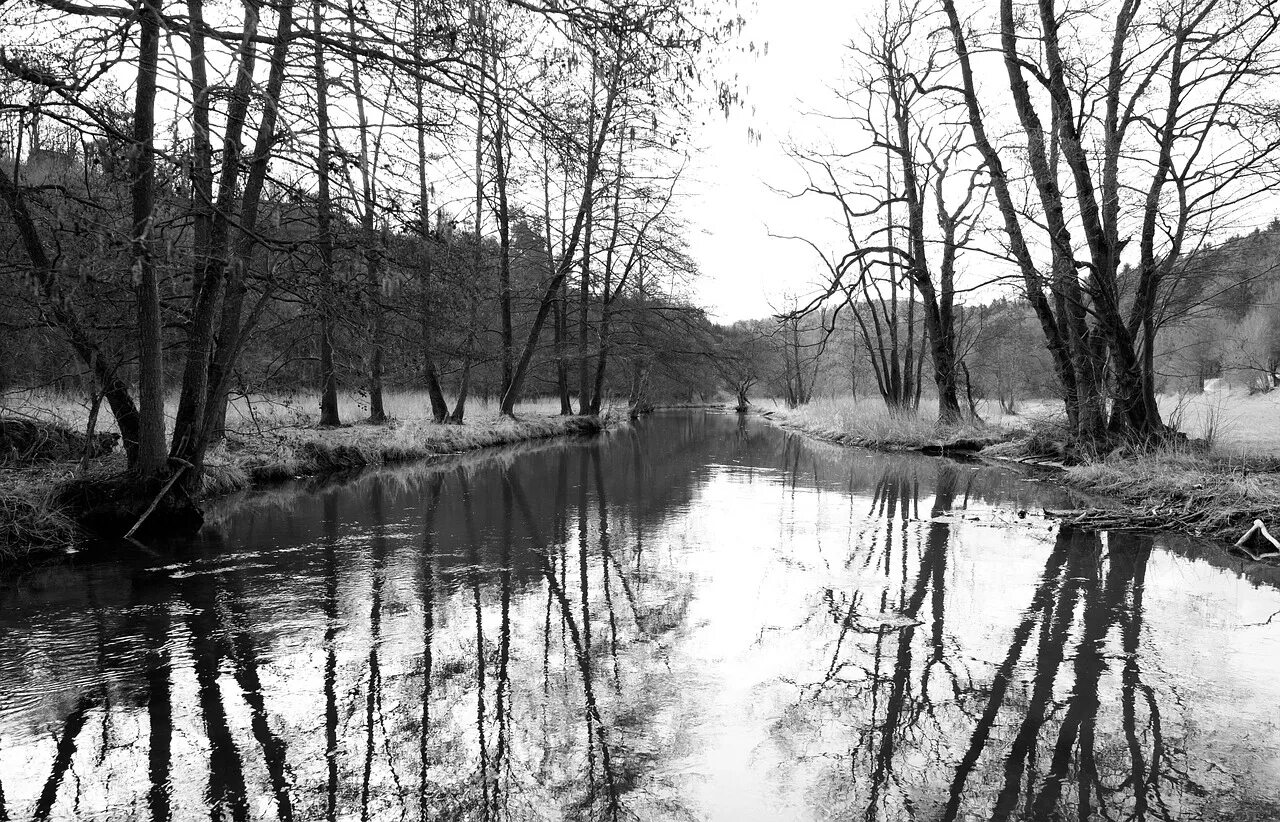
[265,412]
[1234,422]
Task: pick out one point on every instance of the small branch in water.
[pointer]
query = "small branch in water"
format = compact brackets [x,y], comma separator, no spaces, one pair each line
[1267,621]
[152,507]
[1258,533]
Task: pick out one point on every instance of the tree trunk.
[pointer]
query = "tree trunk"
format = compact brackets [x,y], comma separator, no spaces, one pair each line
[324,235]
[464,383]
[234,329]
[584,286]
[58,311]
[558,321]
[369,234]
[152,454]
[477,257]
[942,342]
[439,408]
[1055,335]
[212,222]
[504,228]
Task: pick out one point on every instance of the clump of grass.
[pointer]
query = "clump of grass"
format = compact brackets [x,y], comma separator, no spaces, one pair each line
[221,478]
[30,520]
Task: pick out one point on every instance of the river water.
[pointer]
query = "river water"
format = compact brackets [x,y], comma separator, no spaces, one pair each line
[697,617]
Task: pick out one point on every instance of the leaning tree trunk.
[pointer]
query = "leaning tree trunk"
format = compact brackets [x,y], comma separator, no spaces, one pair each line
[57,310]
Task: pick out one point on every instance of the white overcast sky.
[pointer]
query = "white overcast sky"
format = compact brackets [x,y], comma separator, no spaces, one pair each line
[733,206]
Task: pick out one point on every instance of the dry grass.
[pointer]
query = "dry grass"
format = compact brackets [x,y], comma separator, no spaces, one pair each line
[868,424]
[1209,496]
[263,413]
[304,451]
[29,521]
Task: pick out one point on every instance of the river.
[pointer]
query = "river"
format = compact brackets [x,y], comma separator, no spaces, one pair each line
[696,617]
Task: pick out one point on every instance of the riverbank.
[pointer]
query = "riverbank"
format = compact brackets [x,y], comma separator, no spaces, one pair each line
[1193,490]
[33,522]
[860,427]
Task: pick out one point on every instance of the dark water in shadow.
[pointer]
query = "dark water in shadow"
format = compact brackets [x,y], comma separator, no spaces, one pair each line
[696,618]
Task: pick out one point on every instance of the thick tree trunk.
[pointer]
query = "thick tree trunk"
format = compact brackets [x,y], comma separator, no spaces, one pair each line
[1057,336]
[213,222]
[152,454]
[439,408]
[234,329]
[602,362]
[464,385]
[944,373]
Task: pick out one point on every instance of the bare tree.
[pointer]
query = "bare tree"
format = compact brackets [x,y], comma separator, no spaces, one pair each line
[1128,152]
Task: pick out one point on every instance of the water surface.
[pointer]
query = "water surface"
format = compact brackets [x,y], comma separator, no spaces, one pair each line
[698,617]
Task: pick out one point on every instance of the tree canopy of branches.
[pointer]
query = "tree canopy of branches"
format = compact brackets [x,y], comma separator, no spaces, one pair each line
[1136,133]
[190,188]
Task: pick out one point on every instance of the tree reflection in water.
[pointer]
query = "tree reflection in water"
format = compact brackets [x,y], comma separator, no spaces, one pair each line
[1036,744]
[553,633]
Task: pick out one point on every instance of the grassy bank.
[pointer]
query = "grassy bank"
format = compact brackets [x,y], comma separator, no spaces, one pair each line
[1208,495]
[867,424]
[305,451]
[1214,490]
[268,440]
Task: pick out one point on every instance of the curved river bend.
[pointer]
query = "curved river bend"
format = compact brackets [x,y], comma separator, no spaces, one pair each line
[698,617]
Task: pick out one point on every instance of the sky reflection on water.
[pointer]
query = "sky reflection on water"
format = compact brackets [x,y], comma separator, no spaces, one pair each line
[699,617]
